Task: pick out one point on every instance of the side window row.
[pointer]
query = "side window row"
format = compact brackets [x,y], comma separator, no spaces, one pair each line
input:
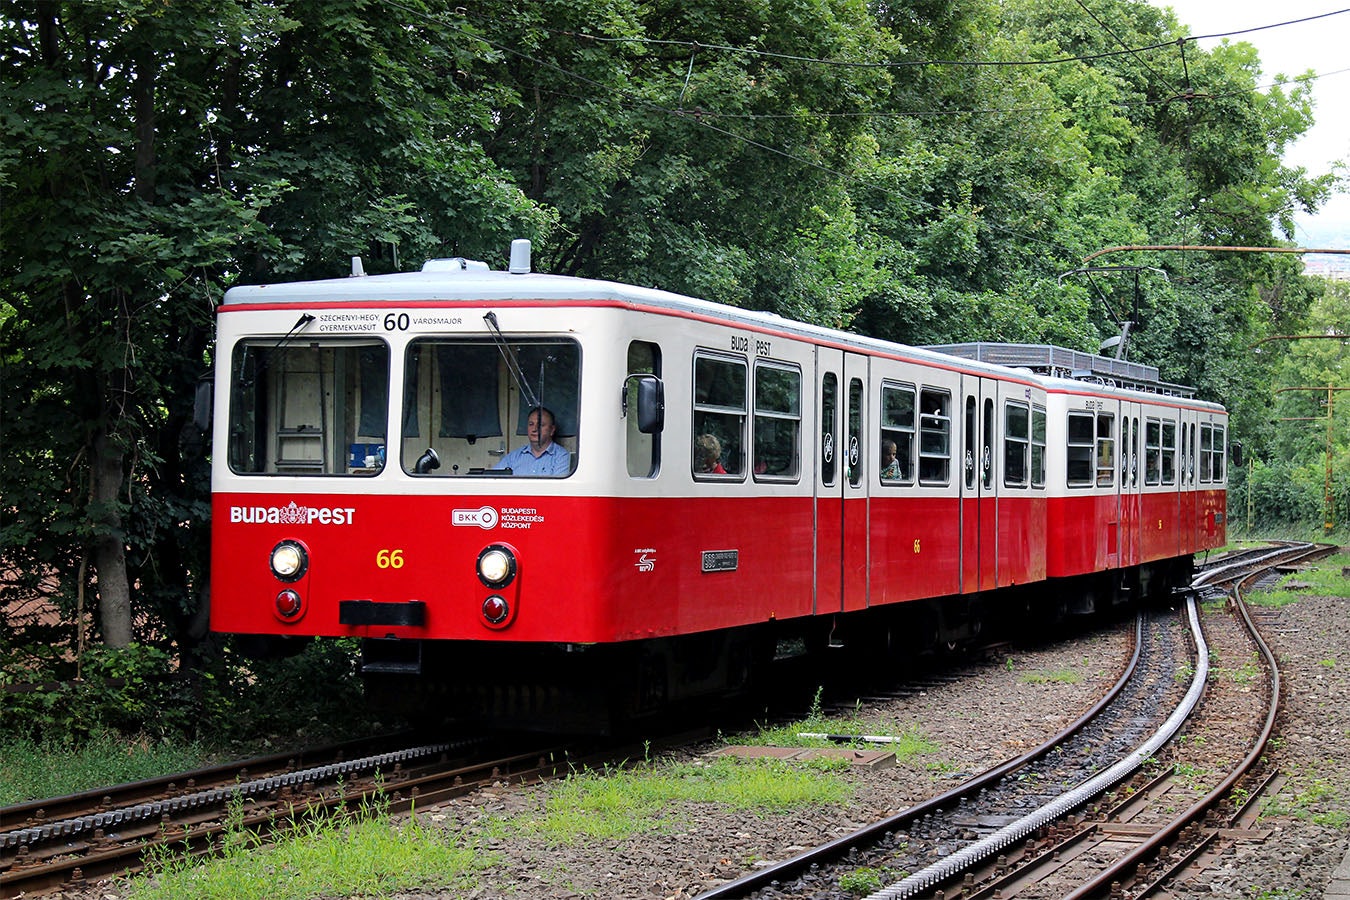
[1091,444]
[723,409]
[1092,451]
[1023,445]
[747,418]
[915,435]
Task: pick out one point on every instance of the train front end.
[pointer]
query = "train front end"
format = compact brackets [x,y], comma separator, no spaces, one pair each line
[396,459]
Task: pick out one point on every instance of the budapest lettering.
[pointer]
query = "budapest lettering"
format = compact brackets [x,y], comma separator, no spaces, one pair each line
[293,515]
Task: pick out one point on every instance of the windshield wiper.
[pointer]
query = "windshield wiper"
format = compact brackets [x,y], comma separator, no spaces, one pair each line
[265,358]
[509,356]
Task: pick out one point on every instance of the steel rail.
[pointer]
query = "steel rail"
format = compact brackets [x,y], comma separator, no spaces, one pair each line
[102,857]
[871,833]
[1132,861]
[1013,833]
[215,797]
[130,794]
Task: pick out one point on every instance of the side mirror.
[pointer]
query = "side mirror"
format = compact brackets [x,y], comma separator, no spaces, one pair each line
[201,404]
[1235,450]
[651,402]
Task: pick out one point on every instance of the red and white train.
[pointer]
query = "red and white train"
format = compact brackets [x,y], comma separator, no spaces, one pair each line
[723,494]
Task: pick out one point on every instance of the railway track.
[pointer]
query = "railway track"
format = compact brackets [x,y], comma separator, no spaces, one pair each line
[1153,850]
[1114,831]
[84,837]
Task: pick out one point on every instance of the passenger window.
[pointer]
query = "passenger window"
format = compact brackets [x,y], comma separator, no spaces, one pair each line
[987,449]
[1169,453]
[1106,450]
[935,436]
[1016,444]
[1212,456]
[829,423]
[969,442]
[1195,455]
[1134,452]
[1038,446]
[1184,454]
[1220,453]
[719,414]
[778,421]
[897,433]
[1125,449]
[1081,444]
[855,435]
[1152,451]
[643,451]
[1206,453]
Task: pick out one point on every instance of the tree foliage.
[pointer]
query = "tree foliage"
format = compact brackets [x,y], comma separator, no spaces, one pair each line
[922,171]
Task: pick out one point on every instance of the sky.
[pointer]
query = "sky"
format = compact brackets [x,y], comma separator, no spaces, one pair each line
[1322,45]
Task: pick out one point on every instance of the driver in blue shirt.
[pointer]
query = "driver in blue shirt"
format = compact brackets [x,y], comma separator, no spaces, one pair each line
[541,456]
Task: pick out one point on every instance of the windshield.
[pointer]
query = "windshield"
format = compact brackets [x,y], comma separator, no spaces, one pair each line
[317,407]
[495,408]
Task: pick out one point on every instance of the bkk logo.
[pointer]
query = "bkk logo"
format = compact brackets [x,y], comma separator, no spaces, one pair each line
[293,515]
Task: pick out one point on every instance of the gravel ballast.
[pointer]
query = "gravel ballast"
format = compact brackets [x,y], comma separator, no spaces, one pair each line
[995,711]
[1005,706]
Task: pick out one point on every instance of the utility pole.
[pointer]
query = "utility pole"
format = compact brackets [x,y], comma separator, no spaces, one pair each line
[1328,503]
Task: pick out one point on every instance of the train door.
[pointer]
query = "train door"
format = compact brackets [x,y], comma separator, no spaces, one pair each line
[831,475]
[1110,447]
[1189,530]
[1129,484]
[855,508]
[979,495]
[841,488]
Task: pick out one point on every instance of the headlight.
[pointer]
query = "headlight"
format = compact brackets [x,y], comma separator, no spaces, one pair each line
[289,561]
[496,566]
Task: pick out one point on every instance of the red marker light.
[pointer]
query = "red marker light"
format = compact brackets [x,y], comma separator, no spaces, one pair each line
[289,606]
[496,609]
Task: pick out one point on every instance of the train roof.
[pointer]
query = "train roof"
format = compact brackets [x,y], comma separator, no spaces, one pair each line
[462,280]
[1061,362]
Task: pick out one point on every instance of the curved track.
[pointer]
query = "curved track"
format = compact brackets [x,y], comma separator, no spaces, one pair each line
[1128,843]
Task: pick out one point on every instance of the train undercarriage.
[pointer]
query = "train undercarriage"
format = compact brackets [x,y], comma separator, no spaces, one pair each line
[600,688]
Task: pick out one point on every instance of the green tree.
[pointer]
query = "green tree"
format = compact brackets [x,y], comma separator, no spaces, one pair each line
[704,147]
[151,155]
[836,161]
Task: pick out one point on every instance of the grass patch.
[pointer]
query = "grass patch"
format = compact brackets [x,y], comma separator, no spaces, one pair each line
[867,880]
[1311,798]
[1248,673]
[370,855]
[1323,579]
[343,855]
[908,743]
[1274,599]
[35,771]
[611,805]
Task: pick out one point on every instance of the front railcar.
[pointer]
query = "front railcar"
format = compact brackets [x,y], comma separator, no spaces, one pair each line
[374,477]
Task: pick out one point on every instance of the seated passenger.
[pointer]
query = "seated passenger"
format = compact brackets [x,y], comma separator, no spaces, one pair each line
[708,455]
[541,456]
[890,466]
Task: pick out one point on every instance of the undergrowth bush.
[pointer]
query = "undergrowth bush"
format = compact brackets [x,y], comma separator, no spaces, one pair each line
[229,700]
